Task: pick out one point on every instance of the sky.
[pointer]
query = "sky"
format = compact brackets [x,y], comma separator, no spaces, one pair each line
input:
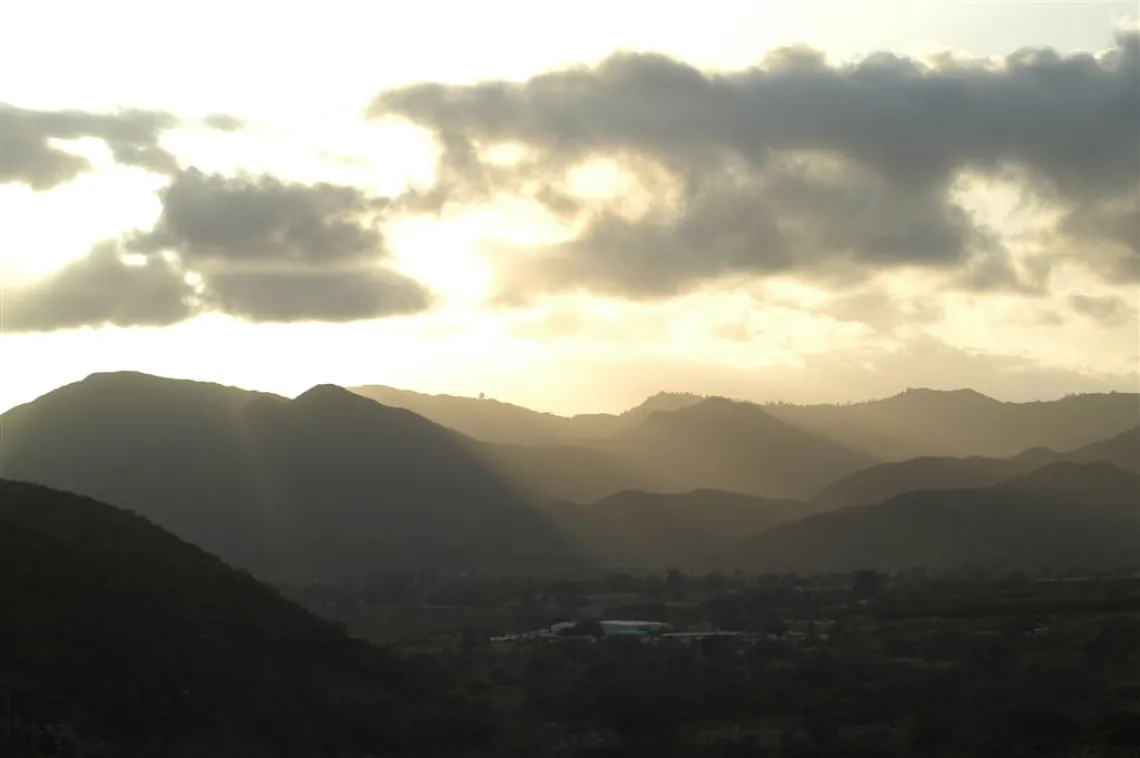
[572,209]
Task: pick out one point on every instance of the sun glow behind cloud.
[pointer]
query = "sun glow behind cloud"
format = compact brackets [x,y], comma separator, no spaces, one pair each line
[304,117]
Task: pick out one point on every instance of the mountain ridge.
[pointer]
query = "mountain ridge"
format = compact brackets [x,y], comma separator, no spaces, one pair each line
[1064,513]
[328,482]
[883,481]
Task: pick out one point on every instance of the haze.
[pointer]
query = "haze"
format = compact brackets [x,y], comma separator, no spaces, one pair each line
[806,202]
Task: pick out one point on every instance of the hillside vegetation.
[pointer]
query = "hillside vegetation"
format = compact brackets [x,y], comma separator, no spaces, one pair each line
[121,638]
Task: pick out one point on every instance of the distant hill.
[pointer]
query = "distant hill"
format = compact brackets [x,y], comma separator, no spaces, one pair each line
[495,421]
[692,531]
[963,423]
[483,419]
[326,485]
[887,480]
[727,445]
[1123,450]
[1061,514]
[884,481]
[916,423]
[117,635]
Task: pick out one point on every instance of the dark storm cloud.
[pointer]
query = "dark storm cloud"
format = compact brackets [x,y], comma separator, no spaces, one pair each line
[797,165]
[99,289]
[28,156]
[257,248]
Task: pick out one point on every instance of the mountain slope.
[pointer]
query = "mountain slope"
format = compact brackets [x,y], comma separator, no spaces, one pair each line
[964,423]
[131,637]
[483,419]
[499,422]
[329,484]
[887,480]
[551,473]
[879,483]
[721,444]
[689,530]
[1123,450]
[1061,514]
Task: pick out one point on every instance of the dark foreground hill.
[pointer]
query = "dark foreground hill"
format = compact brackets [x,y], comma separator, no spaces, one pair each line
[330,484]
[692,531]
[115,633]
[879,483]
[1059,515]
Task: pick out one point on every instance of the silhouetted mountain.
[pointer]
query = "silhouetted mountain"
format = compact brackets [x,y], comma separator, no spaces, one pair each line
[495,421]
[662,401]
[483,419]
[915,423]
[328,484]
[1061,514]
[116,633]
[690,530]
[964,423]
[886,480]
[1123,450]
[740,447]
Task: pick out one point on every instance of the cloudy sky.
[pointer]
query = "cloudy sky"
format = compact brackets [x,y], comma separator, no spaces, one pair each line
[572,208]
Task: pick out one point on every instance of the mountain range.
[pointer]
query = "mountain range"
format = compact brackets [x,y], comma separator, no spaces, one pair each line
[1062,514]
[333,484]
[496,421]
[878,483]
[911,424]
[327,484]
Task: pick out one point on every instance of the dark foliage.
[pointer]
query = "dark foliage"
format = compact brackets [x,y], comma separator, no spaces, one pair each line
[862,664]
[116,633]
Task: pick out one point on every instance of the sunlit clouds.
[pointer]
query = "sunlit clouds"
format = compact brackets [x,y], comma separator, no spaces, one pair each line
[579,216]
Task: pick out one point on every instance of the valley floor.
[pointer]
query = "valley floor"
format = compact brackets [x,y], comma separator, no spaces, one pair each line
[845,665]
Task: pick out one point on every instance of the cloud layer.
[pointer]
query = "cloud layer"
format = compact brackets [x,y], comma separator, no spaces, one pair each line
[28,155]
[832,172]
[837,175]
[254,247]
[101,288]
